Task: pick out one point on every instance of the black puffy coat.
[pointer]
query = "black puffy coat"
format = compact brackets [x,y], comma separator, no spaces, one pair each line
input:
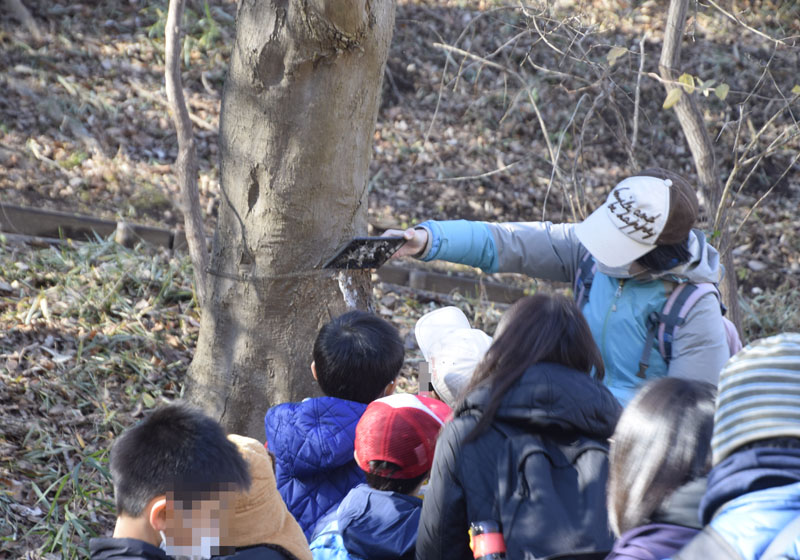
[549,402]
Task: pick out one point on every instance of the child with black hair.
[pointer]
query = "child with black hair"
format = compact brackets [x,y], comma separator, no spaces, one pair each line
[357,357]
[395,441]
[174,474]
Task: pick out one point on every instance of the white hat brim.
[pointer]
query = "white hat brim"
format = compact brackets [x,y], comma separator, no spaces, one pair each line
[606,243]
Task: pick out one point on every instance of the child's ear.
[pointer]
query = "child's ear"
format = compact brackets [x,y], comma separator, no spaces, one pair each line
[314,370]
[389,389]
[158,513]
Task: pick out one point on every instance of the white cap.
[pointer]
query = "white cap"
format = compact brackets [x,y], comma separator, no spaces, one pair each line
[628,224]
[451,348]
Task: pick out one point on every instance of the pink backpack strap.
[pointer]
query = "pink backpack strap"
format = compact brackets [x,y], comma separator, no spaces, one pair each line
[732,336]
[677,307]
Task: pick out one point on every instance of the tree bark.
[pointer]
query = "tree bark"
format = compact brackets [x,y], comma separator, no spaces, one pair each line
[702,148]
[297,119]
[186,165]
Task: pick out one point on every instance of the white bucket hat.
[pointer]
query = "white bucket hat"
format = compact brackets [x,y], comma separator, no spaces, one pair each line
[452,349]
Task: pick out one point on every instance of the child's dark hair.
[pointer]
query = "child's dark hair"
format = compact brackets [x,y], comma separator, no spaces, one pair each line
[662,441]
[176,448]
[399,485]
[356,356]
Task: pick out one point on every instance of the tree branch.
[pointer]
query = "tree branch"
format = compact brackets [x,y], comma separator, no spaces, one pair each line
[636,103]
[700,145]
[743,24]
[186,165]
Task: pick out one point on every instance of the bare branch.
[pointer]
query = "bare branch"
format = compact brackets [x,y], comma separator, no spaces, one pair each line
[525,85]
[718,221]
[750,29]
[186,165]
[156,98]
[555,165]
[694,129]
[767,193]
[475,177]
[604,92]
[636,103]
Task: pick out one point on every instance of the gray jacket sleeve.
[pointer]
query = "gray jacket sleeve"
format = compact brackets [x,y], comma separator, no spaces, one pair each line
[538,249]
[700,348]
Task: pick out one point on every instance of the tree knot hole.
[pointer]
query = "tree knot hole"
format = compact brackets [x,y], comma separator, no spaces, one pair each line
[254,190]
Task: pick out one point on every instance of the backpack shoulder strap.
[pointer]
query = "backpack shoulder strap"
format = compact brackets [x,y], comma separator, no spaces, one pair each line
[675,310]
[780,544]
[583,279]
[705,545]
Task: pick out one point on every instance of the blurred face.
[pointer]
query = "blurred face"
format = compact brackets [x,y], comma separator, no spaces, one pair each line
[195,525]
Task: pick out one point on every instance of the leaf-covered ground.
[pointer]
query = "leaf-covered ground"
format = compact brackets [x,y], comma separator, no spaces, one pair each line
[94,334]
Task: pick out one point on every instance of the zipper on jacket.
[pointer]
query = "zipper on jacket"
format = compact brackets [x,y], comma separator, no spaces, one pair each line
[617,295]
[611,309]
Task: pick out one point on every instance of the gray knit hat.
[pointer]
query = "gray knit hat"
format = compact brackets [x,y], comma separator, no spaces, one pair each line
[759,395]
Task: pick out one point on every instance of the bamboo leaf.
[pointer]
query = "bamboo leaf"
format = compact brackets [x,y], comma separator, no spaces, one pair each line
[672,98]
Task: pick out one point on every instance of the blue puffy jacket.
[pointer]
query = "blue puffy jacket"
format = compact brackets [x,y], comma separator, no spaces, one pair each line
[752,496]
[751,522]
[369,524]
[312,442]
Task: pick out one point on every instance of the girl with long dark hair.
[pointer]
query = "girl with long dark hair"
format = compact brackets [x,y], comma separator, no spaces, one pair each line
[527,446]
[660,456]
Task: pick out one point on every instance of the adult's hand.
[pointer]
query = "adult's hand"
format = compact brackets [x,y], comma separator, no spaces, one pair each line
[416,239]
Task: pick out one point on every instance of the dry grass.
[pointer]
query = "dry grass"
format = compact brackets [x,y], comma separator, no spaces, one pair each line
[92,335]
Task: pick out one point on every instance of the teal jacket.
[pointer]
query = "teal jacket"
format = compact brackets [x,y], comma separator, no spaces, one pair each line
[617,308]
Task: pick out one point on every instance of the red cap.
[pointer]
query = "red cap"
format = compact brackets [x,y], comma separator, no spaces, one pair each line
[401,429]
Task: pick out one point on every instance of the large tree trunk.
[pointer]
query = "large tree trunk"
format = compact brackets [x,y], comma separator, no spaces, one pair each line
[298,115]
[701,146]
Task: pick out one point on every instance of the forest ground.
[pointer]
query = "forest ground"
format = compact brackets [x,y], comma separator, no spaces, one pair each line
[93,334]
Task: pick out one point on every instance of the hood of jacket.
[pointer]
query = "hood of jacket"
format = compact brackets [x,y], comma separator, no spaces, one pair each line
[312,436]
[374,524]
[704,265]
[124,549]
[553,397]
[651,542]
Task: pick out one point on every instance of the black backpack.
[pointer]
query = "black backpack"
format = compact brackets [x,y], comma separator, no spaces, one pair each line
[550,499]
